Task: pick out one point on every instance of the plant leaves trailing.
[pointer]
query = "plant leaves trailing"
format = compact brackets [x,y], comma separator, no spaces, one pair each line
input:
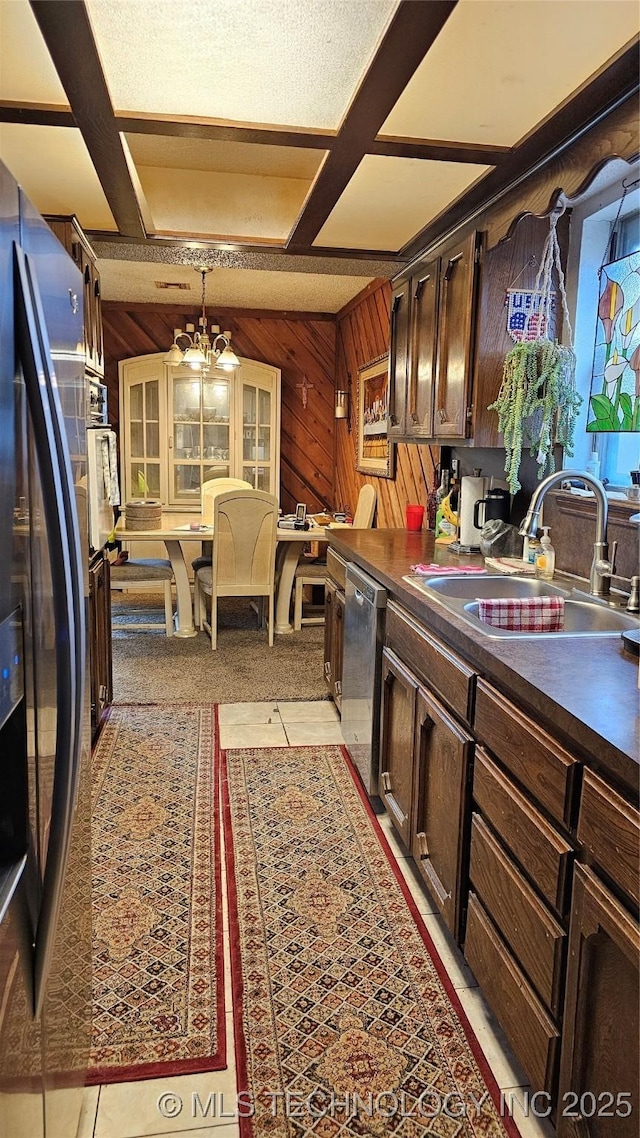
[537,404]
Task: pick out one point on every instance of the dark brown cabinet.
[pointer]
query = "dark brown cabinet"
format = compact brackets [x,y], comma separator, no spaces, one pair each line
[599,1093]
[423,344]
[456,324]
[425,757]
[399,359]
[432,346]
[99,635]
[70,234]
[443,753]
[396,742]
[333,639]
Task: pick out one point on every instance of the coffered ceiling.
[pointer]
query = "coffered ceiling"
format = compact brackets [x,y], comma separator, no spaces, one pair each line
[315,143]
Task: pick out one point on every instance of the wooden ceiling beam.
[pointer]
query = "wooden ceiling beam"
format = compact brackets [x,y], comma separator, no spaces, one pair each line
[598,97]
[219,130]
[36,114]
[412,31]
[439,151]
[258,134]
[69,38]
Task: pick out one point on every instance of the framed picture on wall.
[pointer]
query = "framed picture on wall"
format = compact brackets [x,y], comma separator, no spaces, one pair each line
[375,453]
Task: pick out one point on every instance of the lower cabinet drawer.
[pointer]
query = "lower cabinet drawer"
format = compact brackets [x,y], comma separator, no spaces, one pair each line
[433,662]
[537,761]
[530,1031]
[535,938]
[609,828]
[541,851]
[336,567]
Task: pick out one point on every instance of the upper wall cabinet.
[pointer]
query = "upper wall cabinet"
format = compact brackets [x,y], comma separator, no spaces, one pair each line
[431,346]
[449,333]
[69,234]
[179,429]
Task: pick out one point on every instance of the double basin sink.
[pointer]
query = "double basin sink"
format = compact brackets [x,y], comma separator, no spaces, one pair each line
[584,615]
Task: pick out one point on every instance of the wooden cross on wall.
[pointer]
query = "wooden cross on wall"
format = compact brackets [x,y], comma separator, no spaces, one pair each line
[305,386]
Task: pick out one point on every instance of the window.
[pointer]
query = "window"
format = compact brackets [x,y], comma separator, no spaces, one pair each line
[620,450]
[605,227]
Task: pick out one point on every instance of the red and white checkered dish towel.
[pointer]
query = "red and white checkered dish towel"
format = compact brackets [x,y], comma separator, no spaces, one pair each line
[523,614]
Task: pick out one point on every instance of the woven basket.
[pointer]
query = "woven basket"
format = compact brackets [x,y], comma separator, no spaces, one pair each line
[143,514]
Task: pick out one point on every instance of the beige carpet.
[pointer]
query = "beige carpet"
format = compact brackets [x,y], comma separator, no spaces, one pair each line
[149,667]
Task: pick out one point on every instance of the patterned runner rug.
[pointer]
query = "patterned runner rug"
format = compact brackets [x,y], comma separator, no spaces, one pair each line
[345,1021]
[158,981]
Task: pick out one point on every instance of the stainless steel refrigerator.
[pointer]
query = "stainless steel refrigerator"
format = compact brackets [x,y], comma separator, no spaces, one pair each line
[45,914]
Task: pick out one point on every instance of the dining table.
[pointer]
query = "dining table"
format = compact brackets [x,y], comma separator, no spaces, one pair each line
[174,531]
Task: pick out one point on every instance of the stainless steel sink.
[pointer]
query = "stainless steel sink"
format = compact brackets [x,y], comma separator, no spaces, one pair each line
[582,617]
[472,587]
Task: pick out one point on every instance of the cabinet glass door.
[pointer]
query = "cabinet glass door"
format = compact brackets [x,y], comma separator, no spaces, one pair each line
[257,426]
[143,415]
[200,409]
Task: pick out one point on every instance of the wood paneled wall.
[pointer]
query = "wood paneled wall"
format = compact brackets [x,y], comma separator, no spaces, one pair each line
[363,335]
[298,343]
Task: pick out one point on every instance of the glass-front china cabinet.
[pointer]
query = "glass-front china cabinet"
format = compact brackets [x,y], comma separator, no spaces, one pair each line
[180,429]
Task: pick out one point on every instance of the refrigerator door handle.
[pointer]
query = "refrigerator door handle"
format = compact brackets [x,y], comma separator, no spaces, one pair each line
[61,520]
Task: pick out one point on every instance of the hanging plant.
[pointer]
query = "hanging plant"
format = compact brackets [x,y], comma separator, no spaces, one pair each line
[538,402]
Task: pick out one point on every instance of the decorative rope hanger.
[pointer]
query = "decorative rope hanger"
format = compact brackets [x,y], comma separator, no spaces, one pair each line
[538,402]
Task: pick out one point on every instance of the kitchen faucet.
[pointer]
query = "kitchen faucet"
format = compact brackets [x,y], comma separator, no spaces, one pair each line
[602,566]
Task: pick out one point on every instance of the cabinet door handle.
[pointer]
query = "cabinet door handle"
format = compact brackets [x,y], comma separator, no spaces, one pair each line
[338,686]
[386,781]
[327,669]
[423,849]
[393,418]
[413,388]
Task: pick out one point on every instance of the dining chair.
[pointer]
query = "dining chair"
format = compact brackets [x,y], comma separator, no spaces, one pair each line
[315,572]
[208,492]
[145,573]
[245,522]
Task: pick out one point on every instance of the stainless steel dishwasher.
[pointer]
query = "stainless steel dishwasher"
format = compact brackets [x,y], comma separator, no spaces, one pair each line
[363,632]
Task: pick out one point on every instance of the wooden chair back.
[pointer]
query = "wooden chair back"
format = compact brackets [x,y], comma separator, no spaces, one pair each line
[366,507]
[244,543]
[212,488]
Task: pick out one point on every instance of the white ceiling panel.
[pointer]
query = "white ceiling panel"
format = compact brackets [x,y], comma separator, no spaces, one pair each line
[294,62]
[499,67]
[26,71]
[224,157]
[54,168]
[199,202]
[228,288]
[389,200]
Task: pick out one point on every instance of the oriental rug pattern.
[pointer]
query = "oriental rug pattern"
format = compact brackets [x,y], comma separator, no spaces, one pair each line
[340,1000]
[158,981]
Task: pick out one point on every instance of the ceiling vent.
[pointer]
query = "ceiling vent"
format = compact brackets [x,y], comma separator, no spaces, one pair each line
[172,285]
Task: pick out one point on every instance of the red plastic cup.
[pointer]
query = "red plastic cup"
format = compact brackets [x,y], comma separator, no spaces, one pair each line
[415,517]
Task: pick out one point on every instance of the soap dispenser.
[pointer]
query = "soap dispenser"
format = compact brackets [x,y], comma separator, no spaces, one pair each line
[546,557]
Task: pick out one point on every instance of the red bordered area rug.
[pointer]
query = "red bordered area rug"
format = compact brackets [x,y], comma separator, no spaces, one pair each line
[340,1000]
[158,975]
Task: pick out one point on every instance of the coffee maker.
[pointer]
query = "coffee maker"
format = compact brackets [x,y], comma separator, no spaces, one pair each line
[479,496]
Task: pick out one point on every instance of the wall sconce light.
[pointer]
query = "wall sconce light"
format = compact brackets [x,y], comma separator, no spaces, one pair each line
[342,405]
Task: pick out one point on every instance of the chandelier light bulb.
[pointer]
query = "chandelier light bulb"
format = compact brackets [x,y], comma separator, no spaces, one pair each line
[198,353]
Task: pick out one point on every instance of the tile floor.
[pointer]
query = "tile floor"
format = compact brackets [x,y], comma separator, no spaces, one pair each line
[135,1110]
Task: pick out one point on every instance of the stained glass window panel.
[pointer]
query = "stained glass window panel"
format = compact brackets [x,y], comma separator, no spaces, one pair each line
[614,404]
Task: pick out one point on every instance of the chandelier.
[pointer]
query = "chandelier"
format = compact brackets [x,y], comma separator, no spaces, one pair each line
[196,349]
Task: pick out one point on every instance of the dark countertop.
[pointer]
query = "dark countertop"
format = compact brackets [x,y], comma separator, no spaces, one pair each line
[583,690]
